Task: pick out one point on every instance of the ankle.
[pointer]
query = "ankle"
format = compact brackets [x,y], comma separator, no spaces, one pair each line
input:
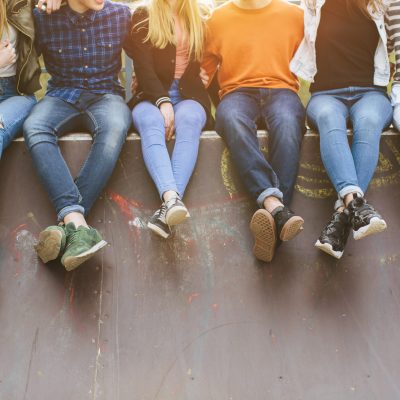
[76,218]
[271,203]
[169,195]
[350,197]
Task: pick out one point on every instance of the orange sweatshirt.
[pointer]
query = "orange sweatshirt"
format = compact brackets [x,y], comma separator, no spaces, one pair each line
[253,48]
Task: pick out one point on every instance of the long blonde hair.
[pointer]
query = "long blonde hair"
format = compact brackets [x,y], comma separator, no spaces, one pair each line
[3,18]
[361,5]
[192,15]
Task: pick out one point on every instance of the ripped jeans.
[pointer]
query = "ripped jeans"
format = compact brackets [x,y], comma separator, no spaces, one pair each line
[14,109]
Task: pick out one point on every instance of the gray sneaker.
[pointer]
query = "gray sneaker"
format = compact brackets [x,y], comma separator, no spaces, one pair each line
[176,211]
[51,243]
[158,224]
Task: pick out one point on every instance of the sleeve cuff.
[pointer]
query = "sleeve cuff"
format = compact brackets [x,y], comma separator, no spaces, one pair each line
[395,95]
[162,100]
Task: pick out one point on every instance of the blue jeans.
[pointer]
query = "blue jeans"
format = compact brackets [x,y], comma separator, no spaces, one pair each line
[190,117]
[13,111]
[284,115]
[107,117]
[369,111]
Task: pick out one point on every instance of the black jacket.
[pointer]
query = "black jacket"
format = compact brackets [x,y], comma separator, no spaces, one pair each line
[19,15]
[155,69]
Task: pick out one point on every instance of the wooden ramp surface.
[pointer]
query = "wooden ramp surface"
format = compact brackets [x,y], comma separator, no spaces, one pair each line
[196,317]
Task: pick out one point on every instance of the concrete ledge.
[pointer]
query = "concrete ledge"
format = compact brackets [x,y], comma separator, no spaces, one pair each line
[206,134]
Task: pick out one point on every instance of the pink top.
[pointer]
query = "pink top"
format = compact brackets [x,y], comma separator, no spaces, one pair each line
[182,50]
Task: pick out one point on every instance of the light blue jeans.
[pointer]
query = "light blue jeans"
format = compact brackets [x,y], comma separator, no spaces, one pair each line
[13,111]
[190,117]
[369,111]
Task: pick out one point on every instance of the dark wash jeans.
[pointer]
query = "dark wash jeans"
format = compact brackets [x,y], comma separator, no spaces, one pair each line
[106,117]
[284,117]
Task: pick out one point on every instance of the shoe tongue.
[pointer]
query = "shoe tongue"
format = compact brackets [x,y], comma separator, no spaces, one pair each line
[82,228]
[70,227]
[277,210]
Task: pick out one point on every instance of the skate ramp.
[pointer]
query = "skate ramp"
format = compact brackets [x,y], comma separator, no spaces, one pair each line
[197,317]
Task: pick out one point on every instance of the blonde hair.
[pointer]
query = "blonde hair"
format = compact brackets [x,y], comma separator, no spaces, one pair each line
[362,5]
[192,15]
[3,18]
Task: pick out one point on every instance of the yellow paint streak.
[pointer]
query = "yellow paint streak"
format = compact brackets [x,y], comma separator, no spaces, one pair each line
[315,193]
[226,173]
[312,167]
[313,180]
[394,149]
[386,180]
[384,164]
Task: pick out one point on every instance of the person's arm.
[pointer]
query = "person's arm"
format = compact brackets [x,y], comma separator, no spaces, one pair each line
[7,54]
[37,42]
[211,59]
[141,53]
[393,34]
[148,82]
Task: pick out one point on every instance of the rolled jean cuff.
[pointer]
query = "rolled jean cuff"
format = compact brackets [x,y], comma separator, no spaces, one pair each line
[267,193]
[68,210]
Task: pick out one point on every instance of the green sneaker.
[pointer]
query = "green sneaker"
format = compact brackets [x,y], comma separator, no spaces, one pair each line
[82,244]
[51,243]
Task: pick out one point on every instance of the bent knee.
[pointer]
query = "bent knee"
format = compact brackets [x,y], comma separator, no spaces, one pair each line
[36,132]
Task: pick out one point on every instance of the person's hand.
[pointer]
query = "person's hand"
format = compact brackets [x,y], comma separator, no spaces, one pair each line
[7,54]
[167,112]
[204,77]
[50,5]
[134,85]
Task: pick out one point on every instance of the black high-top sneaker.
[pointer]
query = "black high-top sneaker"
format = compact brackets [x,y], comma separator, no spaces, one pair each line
[288,225]
[158,224]
[334,236]
[364,219]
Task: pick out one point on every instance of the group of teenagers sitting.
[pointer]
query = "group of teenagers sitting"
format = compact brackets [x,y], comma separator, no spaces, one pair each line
[255,49]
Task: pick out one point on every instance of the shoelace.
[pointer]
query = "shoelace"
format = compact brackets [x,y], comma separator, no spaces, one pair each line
[363,212]
[332,227]
[72,238]
[163,210]
[160,213]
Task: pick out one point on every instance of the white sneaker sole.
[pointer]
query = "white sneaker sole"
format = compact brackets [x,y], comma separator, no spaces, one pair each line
[376,225]
[176,215]
[157,230]
[49,245]
[73,262]
[327,248]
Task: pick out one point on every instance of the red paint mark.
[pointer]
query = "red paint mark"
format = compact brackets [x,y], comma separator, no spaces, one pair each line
[192,297]
[123,204]
[71,296]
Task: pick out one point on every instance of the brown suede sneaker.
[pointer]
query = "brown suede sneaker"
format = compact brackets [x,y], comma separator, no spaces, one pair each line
[263,227]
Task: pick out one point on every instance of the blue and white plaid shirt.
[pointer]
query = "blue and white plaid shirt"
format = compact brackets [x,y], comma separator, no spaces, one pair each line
[82,52]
